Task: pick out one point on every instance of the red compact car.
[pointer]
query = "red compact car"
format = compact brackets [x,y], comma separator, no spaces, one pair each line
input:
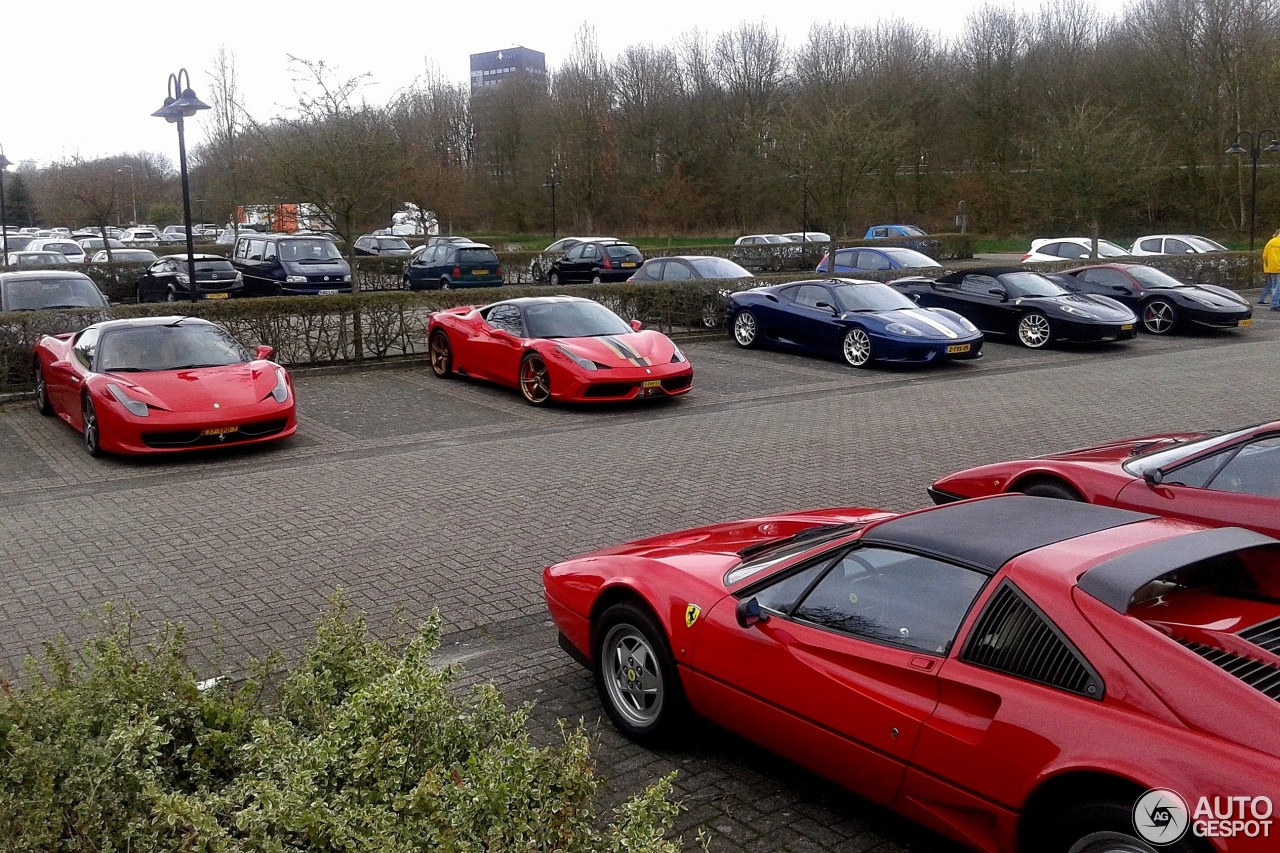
[1218,479]
[1017,673]
[162,384]
[557,348]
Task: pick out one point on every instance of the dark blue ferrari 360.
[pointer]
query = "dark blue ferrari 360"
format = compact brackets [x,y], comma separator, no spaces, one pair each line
[858,321]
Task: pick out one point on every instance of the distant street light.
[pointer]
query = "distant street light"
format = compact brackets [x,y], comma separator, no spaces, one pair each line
[133,192]
[1255,139]
[553,181]
[200,202]
[804,203]
[4,218]
[181,103]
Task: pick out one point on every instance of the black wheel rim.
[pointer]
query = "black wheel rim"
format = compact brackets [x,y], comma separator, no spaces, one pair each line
[90,427]
[42,390]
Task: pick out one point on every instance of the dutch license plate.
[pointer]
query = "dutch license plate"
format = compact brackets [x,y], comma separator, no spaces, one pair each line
[651,383]
[218,430]
[628,263]
[328,293]
[1126,327]
[959,348]
[215,296]
[479,272]
[1244,323]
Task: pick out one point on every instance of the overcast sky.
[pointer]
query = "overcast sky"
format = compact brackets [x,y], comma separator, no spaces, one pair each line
[87,78]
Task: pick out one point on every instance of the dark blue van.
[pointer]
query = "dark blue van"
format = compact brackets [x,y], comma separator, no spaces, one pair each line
[288,265]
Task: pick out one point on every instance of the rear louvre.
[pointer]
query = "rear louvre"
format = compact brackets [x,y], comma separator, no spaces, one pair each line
[1263,677]
[1012,636]
[1265,635]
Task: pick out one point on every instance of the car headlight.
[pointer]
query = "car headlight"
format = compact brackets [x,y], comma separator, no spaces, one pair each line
[584,363]
[134,407]
[239,279]
[964,322]
[280,393]
[677,357]
[1196,298]
[347,278]
[295,279]
[904,330]
[183,278]
[1077,312]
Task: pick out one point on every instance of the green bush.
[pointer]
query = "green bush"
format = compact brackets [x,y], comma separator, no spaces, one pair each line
[362,746]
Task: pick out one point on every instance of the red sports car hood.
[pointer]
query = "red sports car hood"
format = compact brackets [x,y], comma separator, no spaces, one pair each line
[201,389]
[634,349]
[1118,451]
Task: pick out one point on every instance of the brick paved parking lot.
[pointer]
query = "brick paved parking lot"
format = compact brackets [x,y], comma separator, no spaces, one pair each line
[412,491]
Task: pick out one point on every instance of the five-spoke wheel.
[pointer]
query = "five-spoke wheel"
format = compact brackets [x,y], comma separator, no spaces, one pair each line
[856,347]
[635,673]
[91,429]
[535,380]
[43,406]
[441,354]
[1033,330]
[1159,316]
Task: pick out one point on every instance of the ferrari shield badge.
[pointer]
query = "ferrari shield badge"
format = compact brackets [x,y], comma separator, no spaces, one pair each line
[691,614]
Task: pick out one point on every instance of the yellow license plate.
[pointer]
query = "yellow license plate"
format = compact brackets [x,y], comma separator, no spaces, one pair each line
[1126,327]
[479,272]
[218,430]
[959,347]
[651,383]
[1244,323]
[215,296]
[628,263]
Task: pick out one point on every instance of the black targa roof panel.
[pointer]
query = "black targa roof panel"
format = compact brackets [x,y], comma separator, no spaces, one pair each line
[1115,581]
[988,533]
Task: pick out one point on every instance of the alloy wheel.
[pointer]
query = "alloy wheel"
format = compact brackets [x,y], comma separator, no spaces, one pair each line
[1033,330]
[441,355]
[1158,317]
[632,677]
[535,381]
[745,328]
[857,347]
[92,433]
[1110,842]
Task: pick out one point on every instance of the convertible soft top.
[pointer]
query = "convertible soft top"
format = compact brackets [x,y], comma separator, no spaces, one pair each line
[959,275]
[989,532]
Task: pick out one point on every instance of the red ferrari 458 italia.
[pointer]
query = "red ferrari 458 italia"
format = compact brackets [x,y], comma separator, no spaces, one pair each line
[557,348]
[162,384]
[1219,479]
[1017,673]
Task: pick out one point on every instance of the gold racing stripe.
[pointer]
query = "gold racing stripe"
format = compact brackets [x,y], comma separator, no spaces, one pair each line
[624,351]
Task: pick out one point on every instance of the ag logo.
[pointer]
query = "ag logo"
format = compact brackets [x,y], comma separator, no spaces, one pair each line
[1160,816]
[691,614]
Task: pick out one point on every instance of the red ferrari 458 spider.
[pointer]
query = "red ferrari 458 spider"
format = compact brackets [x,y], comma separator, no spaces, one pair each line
[557,348]
[162,384]
[1219,479]
[1018,673]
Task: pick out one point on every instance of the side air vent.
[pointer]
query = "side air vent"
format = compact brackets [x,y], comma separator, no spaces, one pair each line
[1263,677]
[1014,636]
[1264,634]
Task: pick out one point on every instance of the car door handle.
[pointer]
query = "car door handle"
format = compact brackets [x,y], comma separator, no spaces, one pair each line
[75,379]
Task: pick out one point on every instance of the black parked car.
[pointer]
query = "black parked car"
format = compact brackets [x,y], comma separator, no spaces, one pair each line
[595,262]
[381,245]
[167,279]
[1161,302]
[448,265]
[1028,305]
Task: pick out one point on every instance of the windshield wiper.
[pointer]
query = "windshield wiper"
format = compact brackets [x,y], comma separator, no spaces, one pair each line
[195,366]
[124,370]
[50,307]
[176,323]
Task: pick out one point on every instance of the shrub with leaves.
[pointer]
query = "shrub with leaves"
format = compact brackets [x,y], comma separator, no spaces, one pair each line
[363,745]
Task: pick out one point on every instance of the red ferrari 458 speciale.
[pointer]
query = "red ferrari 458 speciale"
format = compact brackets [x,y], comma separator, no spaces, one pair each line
[1017,673]
[1230,478]
[557,348]
[162,384]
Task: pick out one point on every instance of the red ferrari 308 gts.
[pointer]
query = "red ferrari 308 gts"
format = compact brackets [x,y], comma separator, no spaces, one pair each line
[1230,478]
[557,348]
[1017,673]
[162,384]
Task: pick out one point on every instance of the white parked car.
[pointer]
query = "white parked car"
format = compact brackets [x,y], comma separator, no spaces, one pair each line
[761,240]
[93,244]
[125,256]
[1175,244]
[37,259]
[140,237]
[73,250]
[1070,249]
[808,237]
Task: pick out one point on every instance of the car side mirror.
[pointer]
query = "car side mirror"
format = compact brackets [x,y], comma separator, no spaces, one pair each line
[750,613]
[995,291]
[63,366]
[373,250]
[1120,288]
[1082,257]
[826,305]
[263,351]
[1153,476]
[636,325]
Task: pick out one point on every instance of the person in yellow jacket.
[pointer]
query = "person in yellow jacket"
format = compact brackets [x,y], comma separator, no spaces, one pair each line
[1271,270]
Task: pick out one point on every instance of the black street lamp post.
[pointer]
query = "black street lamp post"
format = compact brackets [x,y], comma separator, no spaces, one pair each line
[553,181]
[133,192]
[4,217]
[1254,152]
[181,103]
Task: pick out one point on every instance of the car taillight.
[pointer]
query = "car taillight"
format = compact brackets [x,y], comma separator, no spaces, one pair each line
[499,272]
[457,272]
[1027,255]
[608,264]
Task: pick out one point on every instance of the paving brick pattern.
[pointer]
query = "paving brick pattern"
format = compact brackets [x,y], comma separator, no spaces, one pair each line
[410,491]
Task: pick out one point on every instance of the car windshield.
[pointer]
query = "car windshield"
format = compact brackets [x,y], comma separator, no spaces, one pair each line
[572,320]
[1167,457]
[710,267]
[765,555]
[129,255]
[1031,284]
[171,347]
[27,259]
[871,296]
[1152,277]
[214,265]
[912,231]
[776,238]
[73,248]
[393,243]
[52,292]
[309,249]
[477,256]
[622,252]
[1107,249]
[1204,244]
[911,258]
